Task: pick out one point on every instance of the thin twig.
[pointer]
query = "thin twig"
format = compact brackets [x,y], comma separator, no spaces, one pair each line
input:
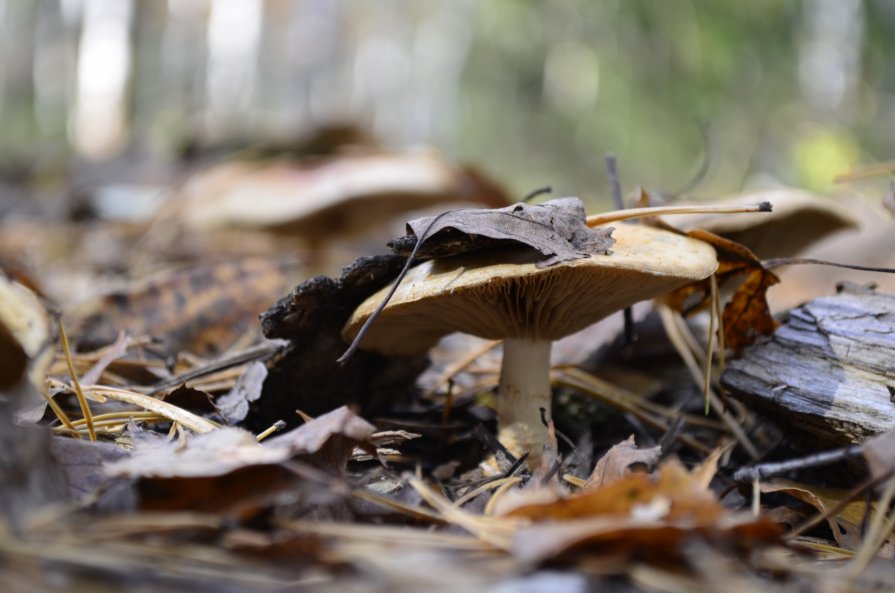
[770,264]
[763,471]
[617,215]
[615,184]
[247,355]
[538,192]
[839,506]
[355,343]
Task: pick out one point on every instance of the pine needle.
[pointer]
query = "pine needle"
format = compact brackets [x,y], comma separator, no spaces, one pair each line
[79,393]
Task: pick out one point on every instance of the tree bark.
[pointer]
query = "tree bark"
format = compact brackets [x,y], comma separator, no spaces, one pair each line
[828,371]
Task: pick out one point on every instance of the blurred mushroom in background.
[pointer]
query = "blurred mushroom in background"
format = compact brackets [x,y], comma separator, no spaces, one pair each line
[798,220]
[332,207]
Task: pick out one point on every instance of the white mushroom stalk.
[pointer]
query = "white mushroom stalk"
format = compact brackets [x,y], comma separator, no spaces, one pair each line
[524,395]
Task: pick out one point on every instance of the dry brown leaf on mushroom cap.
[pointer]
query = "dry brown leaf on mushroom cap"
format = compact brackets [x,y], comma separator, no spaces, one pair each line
[503,293]
[557,229]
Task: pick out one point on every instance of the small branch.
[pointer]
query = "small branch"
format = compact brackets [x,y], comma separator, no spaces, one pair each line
[770,264]
[612,168]
[615,183]
[538,192]
[410,259]
[762,471]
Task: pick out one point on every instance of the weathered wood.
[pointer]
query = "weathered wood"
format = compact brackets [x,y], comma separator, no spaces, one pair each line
[829,370]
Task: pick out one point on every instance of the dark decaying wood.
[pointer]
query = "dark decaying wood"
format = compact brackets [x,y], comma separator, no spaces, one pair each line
[829,370]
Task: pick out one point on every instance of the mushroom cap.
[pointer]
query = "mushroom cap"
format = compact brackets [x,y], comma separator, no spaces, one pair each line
[799,218]
[501,293]
[326,196]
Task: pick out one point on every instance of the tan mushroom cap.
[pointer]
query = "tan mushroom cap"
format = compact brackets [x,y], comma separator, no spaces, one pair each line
[327,196]
[501,293]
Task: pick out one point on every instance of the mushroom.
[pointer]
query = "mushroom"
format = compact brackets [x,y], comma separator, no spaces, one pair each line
[799,219]
[350,197]
[502,294]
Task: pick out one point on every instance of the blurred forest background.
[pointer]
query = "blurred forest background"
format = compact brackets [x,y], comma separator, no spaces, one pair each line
[535,93]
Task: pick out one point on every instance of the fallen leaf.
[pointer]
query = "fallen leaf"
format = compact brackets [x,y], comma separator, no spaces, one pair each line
[29,474]
[646,539]
[556,229]
[747,315]
[672,482]
[617,461]
[733,260]
[227,470]
[845,524]
[208,455]
[234,405]
[327,440]
[14,357]
[82,462]
[653,515]
[226,449]
[191,399]
[201,308]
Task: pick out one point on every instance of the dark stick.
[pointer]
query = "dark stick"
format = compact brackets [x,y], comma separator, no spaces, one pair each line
[770,264]
[491,443]
[767,470]
[559,435]
[250,354]
[836,508]
[410,259]
[538,192]
[705,132]
[612,168]
[614,183]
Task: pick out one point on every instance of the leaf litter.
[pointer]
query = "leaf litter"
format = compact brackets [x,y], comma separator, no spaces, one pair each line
[170,484]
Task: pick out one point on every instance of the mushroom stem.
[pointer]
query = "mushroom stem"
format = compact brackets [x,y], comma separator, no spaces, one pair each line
[524,389]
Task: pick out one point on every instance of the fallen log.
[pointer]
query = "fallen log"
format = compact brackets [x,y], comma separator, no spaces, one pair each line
[828,371]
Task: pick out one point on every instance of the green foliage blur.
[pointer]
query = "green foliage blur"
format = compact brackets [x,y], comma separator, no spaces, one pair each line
[776,92]
[734,95]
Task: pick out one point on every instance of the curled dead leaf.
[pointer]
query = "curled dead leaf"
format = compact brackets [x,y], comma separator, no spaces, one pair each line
[617,461]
